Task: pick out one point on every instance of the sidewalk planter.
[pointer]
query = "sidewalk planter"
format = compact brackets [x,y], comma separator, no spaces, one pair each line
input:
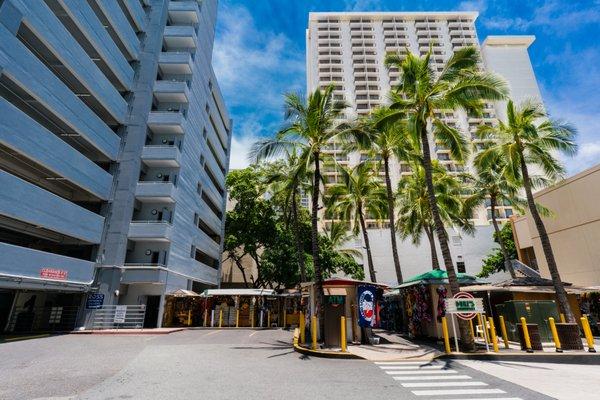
[534,337]
[568,334]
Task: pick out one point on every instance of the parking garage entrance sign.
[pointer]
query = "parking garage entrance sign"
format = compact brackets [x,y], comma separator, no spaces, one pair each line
[54,273]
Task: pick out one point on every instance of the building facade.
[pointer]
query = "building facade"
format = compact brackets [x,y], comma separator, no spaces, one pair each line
[115,146]
[573,229]
[347,50]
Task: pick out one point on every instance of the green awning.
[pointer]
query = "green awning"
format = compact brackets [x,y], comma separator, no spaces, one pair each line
[438,276]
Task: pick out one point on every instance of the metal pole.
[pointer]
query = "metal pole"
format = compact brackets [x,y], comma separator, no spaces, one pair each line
[454,333]
[343,333]
[484,330]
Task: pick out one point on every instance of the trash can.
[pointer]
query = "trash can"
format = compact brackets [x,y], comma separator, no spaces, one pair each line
[534,337]
[568,333]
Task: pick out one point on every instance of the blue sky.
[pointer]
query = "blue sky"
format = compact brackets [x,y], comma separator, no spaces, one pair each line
[260,55]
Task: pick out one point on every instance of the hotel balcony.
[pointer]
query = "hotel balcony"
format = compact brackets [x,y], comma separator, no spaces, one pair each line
[184,12]
[180,38]
[150,231]
[171,91]
[175,62]
[166,122]
[161,156]
[155,192]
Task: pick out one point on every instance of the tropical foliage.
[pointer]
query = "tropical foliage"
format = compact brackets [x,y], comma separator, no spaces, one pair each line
[495,261]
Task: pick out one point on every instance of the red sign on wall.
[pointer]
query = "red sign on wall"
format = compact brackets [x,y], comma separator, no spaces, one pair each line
[53,273]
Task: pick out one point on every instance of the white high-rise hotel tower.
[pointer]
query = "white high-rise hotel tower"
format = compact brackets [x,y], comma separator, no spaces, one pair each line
[347,50]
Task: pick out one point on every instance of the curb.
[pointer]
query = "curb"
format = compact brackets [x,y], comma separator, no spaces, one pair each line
[322,353]
[577,358]
[126,332]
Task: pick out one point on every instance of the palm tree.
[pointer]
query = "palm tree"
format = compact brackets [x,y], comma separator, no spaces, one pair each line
[289,178]
[359,194]
[311,126]
[530,138]
[420,93]
[384,140]
[338,234]
[493,184]
[414,214]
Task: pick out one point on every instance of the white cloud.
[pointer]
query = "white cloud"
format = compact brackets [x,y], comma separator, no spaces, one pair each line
[246,57]
[473,5]
[553,15]
[363,5]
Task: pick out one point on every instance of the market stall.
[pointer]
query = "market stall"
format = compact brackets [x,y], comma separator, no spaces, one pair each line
[357,301]
[422,298]
[182,308]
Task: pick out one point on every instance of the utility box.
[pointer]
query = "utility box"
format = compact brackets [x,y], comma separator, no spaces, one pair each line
[535,312]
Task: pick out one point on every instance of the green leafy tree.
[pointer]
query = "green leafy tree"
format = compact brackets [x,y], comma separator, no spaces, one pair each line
[311,126]
[384,140]
[530,138]
[494,185]
[495,261]
[418,96]
[415,214]
[359,194]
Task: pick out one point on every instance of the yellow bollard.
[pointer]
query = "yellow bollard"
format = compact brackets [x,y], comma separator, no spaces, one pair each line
[555,335]
[493,335]
[526,335]
[588,334]
[480,323]
[446,336]
[503,331]
[562,318]
[221,318]
[205,317]
[471,329]
[268,318]
[313,332]
[189,320]
[284,318]
[237,318]
[302,325]
[343,333]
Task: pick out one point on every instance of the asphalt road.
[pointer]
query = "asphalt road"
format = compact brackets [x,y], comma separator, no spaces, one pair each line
[224,364]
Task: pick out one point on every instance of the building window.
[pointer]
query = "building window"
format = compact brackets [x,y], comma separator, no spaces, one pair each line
[460,267]
[193,251]
[199,188]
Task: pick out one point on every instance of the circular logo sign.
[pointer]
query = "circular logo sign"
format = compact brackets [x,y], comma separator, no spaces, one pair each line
[467,297]
[366,307]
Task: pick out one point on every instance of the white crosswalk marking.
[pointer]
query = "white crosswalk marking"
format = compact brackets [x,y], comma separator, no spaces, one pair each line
[431,377]
[404,372]
[437,380]
[412,367]
[443,384]
[442,392]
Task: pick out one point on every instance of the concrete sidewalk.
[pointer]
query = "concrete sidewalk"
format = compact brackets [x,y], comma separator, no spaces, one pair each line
[150,331]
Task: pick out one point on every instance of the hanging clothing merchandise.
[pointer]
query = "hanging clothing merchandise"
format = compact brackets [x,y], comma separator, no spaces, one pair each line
[441,306]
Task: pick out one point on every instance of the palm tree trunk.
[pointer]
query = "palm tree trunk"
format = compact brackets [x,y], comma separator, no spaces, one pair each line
[435,263]
[507,264]
[363,227]
[392,218]
[559,288]
[319,294]
[299,244]
[467,340]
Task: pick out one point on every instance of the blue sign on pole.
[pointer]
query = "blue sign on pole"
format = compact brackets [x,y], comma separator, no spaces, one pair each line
[94,301]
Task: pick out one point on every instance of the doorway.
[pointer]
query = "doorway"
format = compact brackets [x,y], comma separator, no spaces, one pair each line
[334,309]
[152,306]
[6,301]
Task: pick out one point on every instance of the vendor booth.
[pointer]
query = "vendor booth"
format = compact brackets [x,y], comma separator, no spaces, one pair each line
[422,298]
[357,301]
[182,308]
[249,308]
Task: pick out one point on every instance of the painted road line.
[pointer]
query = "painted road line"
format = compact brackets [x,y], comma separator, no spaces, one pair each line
[441,371]
[211,333]
[444,384]
[405,363]
[400,367]
[253,333]
[447,392]
[431,377]
[490,398]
